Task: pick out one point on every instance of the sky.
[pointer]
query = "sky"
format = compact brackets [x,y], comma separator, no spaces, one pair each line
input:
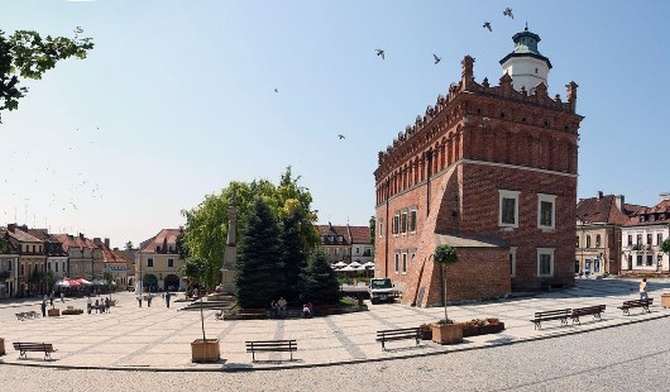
[177,99]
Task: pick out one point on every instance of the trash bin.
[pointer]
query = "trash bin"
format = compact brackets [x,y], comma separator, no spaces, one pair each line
[665,300]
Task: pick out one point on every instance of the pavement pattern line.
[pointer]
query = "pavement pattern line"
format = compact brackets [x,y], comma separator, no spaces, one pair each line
[354,351]
[156,339]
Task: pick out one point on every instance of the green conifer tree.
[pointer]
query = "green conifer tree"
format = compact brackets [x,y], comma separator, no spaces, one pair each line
[321,285]
[259,277]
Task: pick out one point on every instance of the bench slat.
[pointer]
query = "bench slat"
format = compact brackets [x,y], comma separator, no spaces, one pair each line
[548,315]
[398,334]
[287,345]
[24,347]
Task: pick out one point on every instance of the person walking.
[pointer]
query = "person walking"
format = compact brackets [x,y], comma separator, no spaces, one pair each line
[62,297]
[44,306]
[89,304]
[643,289]
[139,299]
[281,303]
[149,298]
[167,299]
[51,299]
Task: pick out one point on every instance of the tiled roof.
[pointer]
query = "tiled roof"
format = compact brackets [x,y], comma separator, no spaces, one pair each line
[71,241]
[330,231]
[23,236]
[350,234]
[360,234]
[165,236]
[656,215]
[604,210]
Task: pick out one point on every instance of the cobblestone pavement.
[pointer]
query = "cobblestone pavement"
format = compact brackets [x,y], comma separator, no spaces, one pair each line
[633,357]
[158,338]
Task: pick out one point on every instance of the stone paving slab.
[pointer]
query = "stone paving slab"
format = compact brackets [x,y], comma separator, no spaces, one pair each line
[158,338]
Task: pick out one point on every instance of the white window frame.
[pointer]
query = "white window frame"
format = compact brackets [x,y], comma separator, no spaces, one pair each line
[404,263]
[512,256]
[546,199]
[506,194]
[396,262]
[543,252]
[380,227]
[413,217]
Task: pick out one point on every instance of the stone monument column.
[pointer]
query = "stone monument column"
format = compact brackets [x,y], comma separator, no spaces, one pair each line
[228,268]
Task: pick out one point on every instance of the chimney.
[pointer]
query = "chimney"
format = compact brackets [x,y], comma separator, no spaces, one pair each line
[107,242]
[97,241]
[620,202]
[600,195]
[663,196]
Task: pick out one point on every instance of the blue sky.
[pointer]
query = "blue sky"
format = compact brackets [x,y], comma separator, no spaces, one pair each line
[177,99]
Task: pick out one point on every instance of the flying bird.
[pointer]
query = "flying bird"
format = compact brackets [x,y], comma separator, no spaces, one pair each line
[341,136]
[437,59]
[487,25]
[508,12]
[380,52]
[276,90]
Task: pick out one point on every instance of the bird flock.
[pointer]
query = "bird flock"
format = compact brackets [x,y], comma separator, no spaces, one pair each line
[381,53]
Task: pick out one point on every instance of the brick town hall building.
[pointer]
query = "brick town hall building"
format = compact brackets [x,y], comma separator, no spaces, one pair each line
[491,171]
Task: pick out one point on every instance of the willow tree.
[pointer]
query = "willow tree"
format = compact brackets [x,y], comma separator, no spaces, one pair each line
[27,55]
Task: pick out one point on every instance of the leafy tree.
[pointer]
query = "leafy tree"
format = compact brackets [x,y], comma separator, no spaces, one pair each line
[149,280]
[194,270]
[293,257]
[260,275]
[445,255]
[50,279]
[321,285]
[372,224]
[26,54]
[206,228]
[665,246]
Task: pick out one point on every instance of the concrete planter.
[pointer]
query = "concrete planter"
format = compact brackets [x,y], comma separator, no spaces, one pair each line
[447,333]
[205,350]
[665,300]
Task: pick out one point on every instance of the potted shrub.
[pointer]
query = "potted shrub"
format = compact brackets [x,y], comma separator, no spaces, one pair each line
[445,331]
[202,350]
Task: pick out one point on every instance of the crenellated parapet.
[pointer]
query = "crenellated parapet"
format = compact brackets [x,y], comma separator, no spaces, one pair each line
[449,109]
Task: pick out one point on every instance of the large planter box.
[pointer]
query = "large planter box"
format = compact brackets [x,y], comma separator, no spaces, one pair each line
[447,333]
[483,330]
[54,312]
[665,300]
[205,350]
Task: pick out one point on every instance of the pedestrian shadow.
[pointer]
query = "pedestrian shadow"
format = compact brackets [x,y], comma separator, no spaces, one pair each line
[504,339]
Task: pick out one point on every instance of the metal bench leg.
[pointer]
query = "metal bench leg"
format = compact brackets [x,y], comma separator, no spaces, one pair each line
[23,355]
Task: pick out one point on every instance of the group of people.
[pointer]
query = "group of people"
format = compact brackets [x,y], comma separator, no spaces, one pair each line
[278,308]
[149,297]
[100,305]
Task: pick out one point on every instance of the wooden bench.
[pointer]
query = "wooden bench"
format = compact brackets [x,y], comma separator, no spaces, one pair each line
[595,311]
[636,303]
[27,315]
[287,345]
[398,334]
[24,347]
[548,315]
